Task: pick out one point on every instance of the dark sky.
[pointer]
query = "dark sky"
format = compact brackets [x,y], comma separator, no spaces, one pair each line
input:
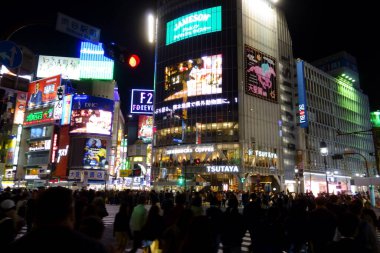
[318,28]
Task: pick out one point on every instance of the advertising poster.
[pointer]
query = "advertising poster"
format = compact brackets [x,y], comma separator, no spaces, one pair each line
[260,75]
[95,152]
[195,77]
[68,67]
[43,91]
[43,115]
[145,128]
[20,107]
[66,109]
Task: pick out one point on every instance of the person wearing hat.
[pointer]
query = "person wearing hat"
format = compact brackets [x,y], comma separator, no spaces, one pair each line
[8,216]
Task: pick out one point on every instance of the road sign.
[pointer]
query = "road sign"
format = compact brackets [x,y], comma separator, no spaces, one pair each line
[10,54]
[77,28]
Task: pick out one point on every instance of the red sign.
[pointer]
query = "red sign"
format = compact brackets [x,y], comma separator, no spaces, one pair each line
[43,91]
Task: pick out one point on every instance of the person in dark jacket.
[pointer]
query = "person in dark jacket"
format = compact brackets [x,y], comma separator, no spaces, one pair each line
[233,227]
[121,230]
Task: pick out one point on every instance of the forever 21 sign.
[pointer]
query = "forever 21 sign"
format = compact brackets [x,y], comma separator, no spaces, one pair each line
[142,101]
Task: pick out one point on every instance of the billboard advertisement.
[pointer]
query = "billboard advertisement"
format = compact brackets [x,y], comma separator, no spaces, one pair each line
[302,110]
[145,128]
[93,63]
[91,115]
[260,74]
[195,77]
[142,101]
[95,152]
[68,67]
[43,115]
[20,107]
[194,24]
[43,91]
[66,109]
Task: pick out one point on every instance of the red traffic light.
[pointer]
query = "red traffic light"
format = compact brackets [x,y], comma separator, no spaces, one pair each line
[133,61]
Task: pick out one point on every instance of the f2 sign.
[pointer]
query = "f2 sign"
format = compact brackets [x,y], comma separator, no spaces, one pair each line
[142,101]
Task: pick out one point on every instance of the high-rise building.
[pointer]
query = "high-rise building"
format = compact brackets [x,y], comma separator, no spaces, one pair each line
[334,110]
[224,96]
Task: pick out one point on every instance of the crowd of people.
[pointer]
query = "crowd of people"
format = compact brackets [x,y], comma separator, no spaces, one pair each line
[62,220]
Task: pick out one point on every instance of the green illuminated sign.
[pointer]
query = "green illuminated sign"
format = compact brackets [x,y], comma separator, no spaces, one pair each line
[34,117]
[194,24]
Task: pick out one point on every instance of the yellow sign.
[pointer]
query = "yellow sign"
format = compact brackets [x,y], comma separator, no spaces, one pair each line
[124,173]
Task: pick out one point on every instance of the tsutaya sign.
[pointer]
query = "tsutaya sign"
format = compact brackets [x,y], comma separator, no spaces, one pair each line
[185,150]
[222,168]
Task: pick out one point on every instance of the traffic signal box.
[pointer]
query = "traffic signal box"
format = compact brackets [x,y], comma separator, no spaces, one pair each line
[121,55]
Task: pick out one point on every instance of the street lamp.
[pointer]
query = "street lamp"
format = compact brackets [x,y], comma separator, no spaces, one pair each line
[324,152]
[105,175]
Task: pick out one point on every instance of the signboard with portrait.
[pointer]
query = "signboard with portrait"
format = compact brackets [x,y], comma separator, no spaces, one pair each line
[145,128]
[195,77]
[260,74]
[43,91]
[95,152]
[92,115]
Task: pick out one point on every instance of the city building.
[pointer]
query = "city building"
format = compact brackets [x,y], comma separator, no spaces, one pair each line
[224,111]
[333,112]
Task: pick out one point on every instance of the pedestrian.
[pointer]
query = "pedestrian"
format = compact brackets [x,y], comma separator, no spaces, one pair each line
[8,222]
[138,219]
[121,230]
[53,228]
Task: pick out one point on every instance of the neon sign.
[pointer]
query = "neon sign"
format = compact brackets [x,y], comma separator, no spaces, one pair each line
[222,168]
[41,116]
[194,24]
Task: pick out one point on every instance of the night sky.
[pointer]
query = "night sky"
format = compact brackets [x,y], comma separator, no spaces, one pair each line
[318,28]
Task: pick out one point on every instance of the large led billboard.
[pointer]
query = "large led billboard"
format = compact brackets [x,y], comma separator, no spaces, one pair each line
[260,74]
[95,152]
[194,24]
[194,77]
[91,115]
[145,128]
[43,91]
[68,67]
[93,63]
[142,101]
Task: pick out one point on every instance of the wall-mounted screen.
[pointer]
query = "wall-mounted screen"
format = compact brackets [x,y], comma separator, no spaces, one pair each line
[194,24]
[91,121]
[194,77]
[145,128]
[95,152]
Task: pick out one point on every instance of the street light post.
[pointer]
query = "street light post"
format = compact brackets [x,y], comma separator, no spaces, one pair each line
[324,152]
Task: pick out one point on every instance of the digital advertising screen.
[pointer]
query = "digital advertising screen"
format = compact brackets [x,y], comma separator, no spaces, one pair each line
[43,91]
[142,101]
[194,24]
[95,152]
[68,67]
[195,77]
[92,115]
[91,121]
[145,128]
[260,74]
